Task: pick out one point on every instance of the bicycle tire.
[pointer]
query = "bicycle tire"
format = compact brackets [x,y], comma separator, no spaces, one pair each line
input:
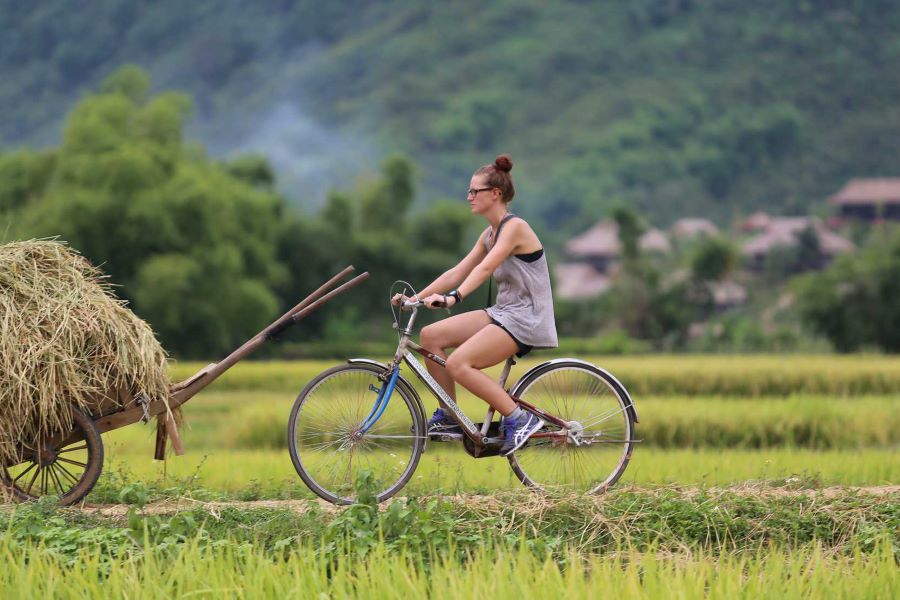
[322,422]
[578,392]
[53,472]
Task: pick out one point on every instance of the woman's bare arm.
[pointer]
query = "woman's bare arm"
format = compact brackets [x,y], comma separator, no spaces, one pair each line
[452,278]
[516,232]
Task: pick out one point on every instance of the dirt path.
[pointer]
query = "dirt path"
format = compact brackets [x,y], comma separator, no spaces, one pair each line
[300,506]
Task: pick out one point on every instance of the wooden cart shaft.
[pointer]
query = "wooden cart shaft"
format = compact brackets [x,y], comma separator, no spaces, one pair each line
[183,391]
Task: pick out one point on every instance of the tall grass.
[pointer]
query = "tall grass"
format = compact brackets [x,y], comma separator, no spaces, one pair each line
[817,422]
[258,420]
[643,375]
[270,474]
[802,421]
[236,433]
[246,571]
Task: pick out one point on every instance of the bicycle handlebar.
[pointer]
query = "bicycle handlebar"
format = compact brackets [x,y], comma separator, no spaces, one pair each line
[408,304]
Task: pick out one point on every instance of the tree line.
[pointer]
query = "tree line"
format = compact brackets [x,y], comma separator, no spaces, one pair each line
[206,250]
[209,252]
[678,107]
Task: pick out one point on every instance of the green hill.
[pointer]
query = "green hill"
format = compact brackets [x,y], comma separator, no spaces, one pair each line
[675,106]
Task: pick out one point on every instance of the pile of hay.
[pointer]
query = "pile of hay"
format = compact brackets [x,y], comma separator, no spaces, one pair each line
[65,340]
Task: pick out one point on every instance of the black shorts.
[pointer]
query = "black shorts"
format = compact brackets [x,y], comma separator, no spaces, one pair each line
[523,348]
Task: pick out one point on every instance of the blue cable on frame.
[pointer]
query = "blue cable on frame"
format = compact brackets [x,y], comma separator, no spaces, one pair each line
[381,403]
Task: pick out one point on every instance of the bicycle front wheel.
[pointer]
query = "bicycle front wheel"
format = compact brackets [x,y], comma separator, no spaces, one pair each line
[328,448]
[592,454]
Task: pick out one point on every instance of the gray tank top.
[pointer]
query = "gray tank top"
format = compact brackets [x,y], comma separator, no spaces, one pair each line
[524,299]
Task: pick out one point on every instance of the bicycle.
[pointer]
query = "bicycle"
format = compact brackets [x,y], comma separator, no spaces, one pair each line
[344,421]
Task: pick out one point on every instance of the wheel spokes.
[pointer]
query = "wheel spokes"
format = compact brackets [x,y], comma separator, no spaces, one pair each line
[33,479]
[73,462]
[326,439]
[68,475]
[55,478]
[23,473]
[583,398]
[74,448]
[46,473]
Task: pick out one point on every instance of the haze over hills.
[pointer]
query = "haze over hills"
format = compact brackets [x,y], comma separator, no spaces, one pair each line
[678,107]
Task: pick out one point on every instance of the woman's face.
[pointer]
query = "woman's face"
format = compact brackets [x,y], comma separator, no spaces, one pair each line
[481,196]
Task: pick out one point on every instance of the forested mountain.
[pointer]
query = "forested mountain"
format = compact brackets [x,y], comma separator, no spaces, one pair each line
[717,107]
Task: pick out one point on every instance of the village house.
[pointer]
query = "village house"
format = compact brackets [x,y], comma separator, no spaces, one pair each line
[755,222]
[600,246]
[579,281]
[786,232]
[692,227]
[594,258]
[728,294]
[869,199]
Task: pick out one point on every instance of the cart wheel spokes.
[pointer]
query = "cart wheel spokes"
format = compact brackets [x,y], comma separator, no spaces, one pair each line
[66,466]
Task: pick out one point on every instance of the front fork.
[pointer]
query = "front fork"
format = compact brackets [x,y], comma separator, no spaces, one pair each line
[384,396]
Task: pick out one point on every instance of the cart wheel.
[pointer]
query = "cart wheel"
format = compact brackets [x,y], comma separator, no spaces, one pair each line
[68,468]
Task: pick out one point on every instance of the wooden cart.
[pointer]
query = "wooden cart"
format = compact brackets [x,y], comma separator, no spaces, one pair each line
[68,464]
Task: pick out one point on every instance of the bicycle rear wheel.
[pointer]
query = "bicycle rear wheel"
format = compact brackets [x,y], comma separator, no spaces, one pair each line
[327,447]
[599,411]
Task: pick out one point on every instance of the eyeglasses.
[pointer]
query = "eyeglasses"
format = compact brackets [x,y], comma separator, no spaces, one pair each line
[474,191]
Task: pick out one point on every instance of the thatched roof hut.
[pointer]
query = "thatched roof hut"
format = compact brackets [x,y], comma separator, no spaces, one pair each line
[600,245]
[755,222]
[691,227]
[579,281]
[600,240]
[869,199]
[784,232]
[654,240]
[728,293]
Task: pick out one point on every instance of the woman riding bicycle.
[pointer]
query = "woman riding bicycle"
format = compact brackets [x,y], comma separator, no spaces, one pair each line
[521,319]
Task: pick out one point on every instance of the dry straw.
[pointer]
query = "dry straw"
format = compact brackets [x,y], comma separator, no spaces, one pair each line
[65,340]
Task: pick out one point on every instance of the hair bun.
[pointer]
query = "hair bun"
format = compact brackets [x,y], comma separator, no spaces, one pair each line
[503,163]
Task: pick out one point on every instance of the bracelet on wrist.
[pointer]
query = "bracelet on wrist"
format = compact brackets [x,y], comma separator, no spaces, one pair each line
[456,295]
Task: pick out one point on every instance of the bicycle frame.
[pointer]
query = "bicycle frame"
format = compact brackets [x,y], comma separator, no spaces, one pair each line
[341,442]
[404,354]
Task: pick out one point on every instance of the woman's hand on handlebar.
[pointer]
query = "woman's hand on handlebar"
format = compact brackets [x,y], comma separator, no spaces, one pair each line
[399,299]
[405,302]
[439,301]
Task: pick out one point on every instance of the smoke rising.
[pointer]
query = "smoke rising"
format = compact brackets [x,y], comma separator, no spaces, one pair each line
[308,158]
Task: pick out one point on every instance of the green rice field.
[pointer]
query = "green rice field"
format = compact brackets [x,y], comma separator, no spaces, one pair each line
[704,421]
[755,477]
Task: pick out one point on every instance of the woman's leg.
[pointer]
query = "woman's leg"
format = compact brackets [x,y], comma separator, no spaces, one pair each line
[448,333]
[486,348]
